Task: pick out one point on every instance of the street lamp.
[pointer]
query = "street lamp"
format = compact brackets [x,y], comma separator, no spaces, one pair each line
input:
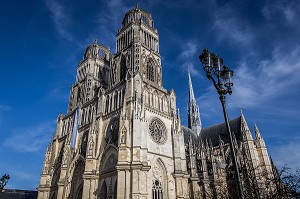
[212,64]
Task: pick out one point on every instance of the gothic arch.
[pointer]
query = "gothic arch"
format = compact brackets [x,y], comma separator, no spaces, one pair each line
[109,159]
[75,182]
[122,67]
[112,132]
[83,143]
[77,162]
[159,180]
[151,70]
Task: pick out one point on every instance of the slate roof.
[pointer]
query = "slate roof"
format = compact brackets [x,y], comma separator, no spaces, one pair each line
[188,132]
[213,132]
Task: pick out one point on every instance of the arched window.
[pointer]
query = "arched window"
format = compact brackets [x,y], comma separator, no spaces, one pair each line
[115,101]
[82,118]
[123,68]
[84,144]
[107,104]
[77,180]
[157,190]
[151,71]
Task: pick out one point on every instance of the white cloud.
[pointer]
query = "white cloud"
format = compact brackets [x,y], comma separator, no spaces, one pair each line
[30,139]
[258,86]
[289,14]
[109,21]
[60,18]
[228,25]
[287,153]
[189,50]
[273,77]
[187,54]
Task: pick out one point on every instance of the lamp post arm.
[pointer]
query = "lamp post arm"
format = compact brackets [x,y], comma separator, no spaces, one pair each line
[209,76]
[233,154]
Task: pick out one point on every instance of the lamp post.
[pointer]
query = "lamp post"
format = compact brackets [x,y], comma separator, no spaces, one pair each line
[212,65]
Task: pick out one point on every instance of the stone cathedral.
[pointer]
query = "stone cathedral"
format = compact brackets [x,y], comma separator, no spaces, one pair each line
[122,136]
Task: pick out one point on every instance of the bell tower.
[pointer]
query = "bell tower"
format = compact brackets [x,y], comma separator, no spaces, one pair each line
[138,39]
[151,160]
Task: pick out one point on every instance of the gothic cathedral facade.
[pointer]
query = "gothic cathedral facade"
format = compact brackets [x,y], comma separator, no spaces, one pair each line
[122,136]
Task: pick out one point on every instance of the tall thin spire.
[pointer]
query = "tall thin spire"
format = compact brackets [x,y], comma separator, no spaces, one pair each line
[259,140]
[194,121]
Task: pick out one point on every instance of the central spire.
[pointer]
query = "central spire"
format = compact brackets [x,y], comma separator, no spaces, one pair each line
[194,121]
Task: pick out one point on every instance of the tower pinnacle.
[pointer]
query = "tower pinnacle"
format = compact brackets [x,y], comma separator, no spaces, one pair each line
[194,121]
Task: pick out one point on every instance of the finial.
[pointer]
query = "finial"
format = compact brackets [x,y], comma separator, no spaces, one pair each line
[96,41]
[241,110]
[136,6]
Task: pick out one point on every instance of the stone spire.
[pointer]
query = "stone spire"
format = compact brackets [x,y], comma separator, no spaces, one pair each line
[194,121]
[247,136]
[259,140]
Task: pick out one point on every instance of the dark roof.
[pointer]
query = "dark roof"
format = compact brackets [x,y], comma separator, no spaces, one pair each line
[219,130]
[187,132]
[212,133]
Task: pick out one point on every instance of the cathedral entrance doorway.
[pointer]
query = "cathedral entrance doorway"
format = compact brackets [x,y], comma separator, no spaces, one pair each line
[159,182]
[108,173]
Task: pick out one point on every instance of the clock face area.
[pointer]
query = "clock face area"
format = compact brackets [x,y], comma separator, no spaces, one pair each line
[112,132]
[157,130]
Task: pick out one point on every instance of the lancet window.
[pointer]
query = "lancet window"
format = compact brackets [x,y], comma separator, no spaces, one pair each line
[151,71]
[157,190]
[123,68]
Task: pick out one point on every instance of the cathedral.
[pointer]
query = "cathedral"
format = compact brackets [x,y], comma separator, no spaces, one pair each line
[122,136]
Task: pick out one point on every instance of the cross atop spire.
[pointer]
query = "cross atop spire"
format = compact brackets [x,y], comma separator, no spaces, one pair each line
[194,121]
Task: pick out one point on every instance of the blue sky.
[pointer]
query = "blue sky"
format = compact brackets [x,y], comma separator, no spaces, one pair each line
[42,41]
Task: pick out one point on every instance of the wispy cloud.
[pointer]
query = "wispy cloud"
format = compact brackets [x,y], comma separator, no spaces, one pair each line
[257,88]
[18,176]
[286,153]
[278,73]
[286,10]
[60,18]
[4,108]
[228,25]
[188,52]
[30,139]
[109,21]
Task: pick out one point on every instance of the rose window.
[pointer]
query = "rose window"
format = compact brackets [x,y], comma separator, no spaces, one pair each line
[157,131]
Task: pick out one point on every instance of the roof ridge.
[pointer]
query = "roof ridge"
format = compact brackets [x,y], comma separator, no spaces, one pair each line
[222,123]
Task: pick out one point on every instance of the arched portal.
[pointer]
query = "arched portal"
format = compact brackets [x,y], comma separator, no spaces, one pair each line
[159,180]
[77,180]
[108,173]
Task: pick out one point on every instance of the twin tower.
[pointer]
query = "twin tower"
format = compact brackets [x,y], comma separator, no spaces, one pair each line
[122,136]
